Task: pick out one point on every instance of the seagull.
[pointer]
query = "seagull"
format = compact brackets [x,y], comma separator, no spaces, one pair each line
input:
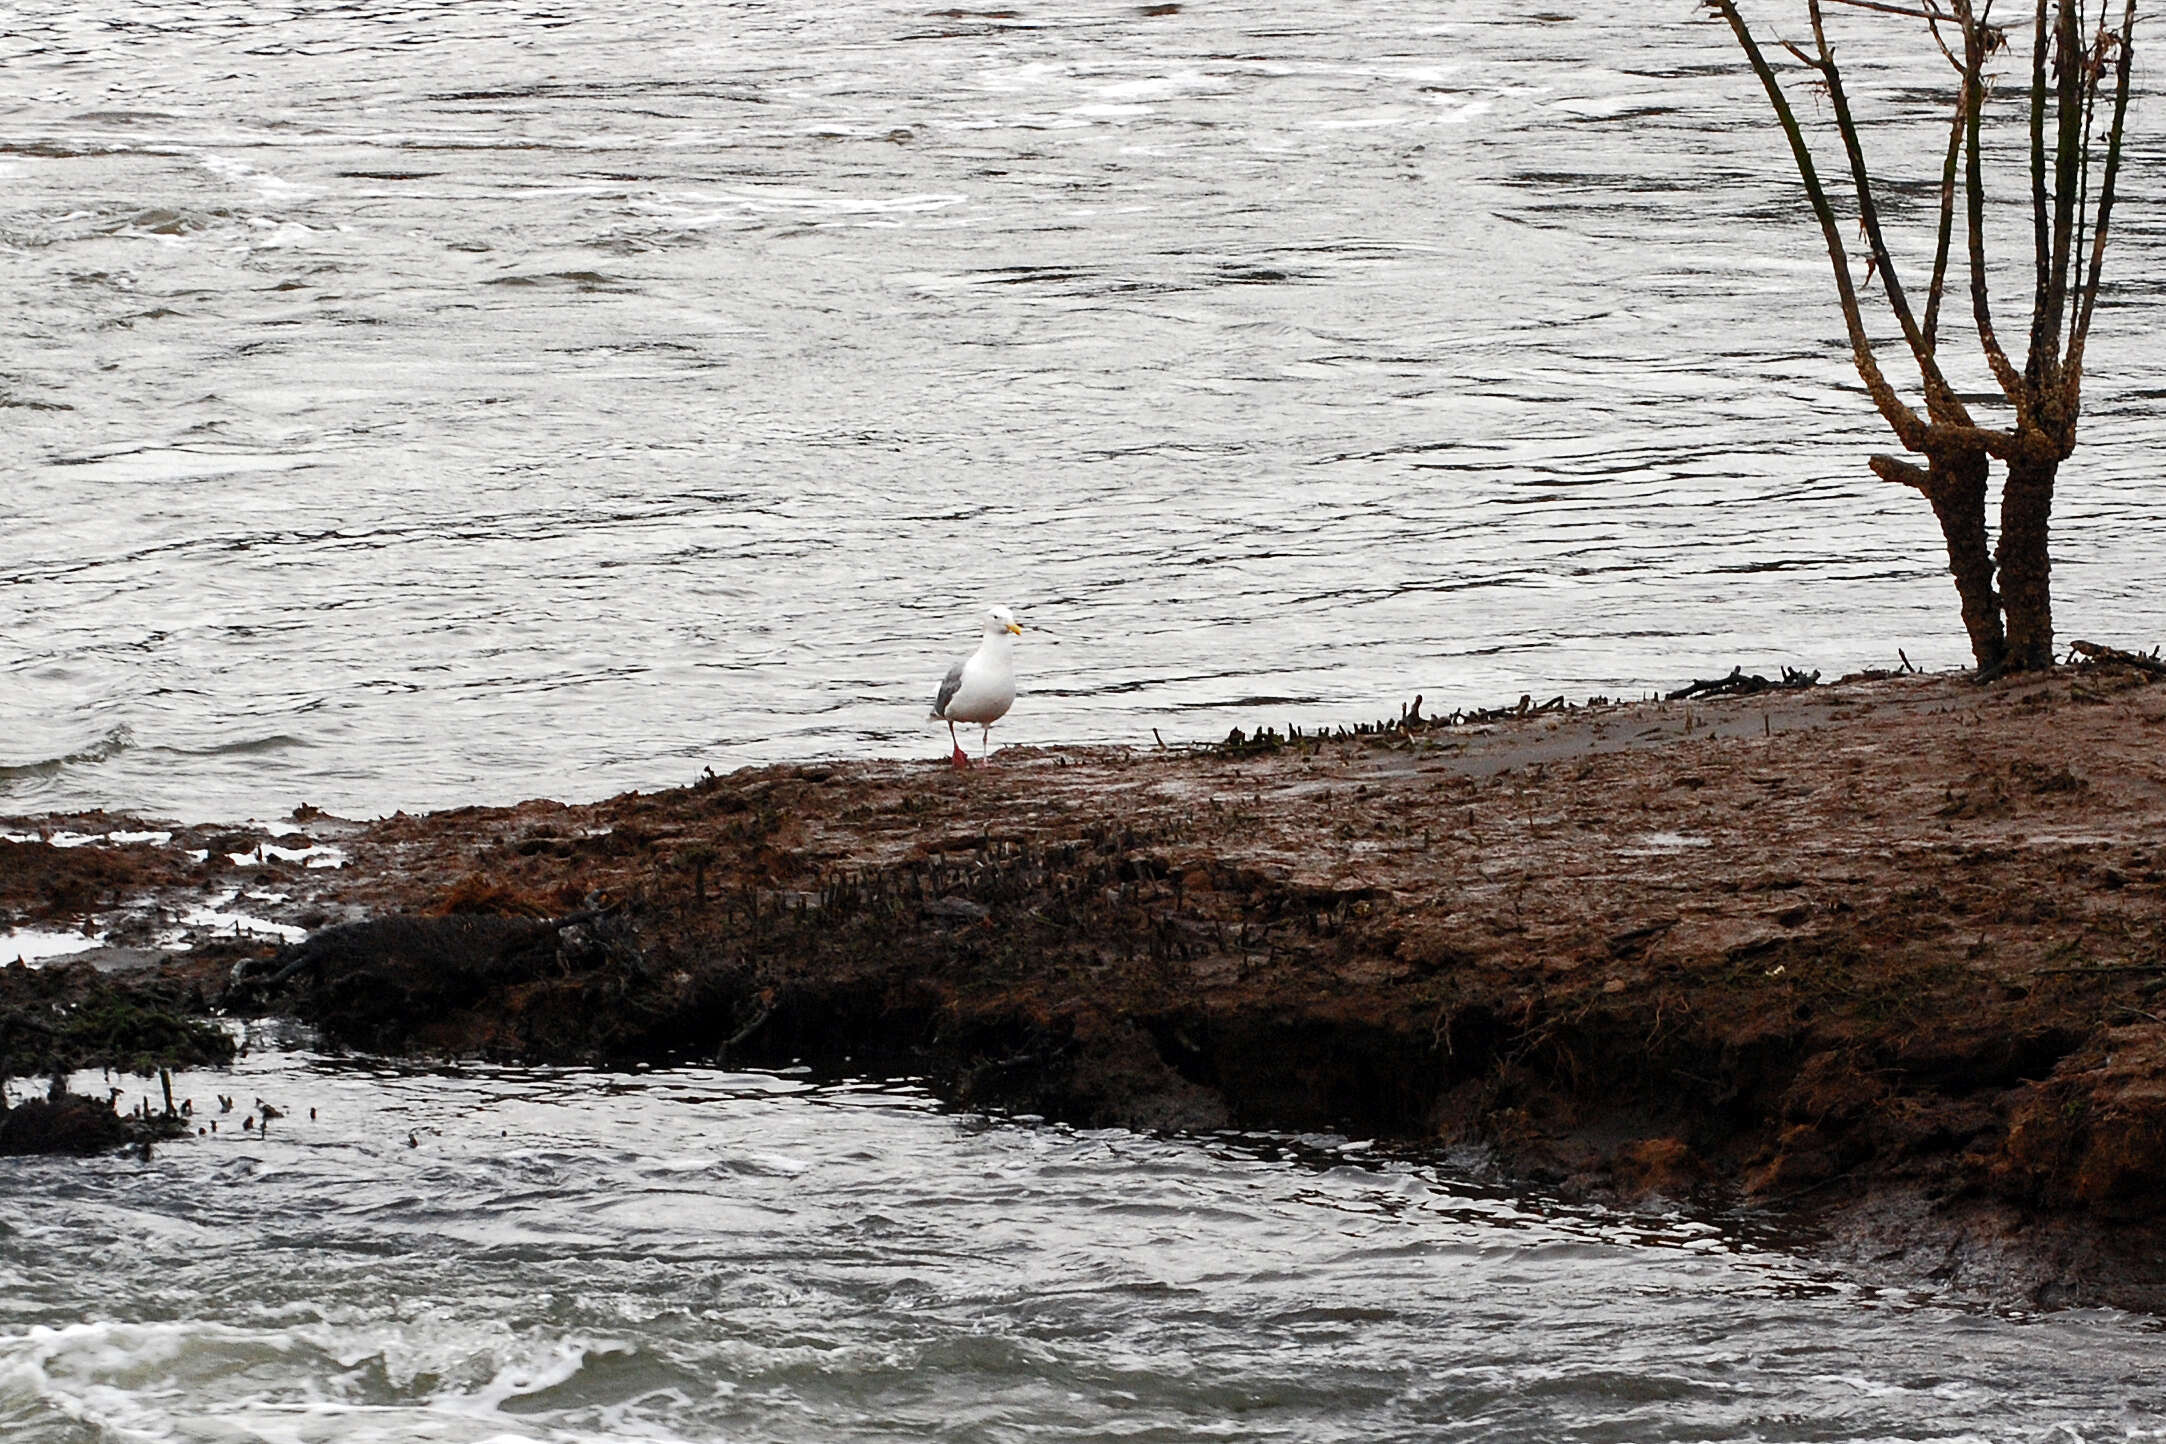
[981,687]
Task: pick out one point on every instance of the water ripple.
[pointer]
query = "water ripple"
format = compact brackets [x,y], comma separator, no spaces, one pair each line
[509,398]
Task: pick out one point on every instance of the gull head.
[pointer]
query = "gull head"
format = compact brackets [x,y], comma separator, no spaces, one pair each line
[999,620]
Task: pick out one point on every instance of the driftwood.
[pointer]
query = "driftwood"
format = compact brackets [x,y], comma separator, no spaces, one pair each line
[2138,660]
[1740,683]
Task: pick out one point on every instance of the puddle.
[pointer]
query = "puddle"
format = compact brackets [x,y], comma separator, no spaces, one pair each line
[222,916]
[315,855]
[87,839]
[33,946]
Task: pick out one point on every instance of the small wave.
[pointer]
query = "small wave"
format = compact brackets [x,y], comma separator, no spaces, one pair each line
[547,1366]
[104,1374]
[1255,701]
[126,117]
[575,280]
[157,221]
[55,150]
[246,747]
[114,742]
[153,1381]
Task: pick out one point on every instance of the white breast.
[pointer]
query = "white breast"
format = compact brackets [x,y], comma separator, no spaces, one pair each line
[988,689]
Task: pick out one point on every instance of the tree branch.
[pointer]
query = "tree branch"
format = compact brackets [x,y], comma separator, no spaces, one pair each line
[1909,428]
[1909,473]
[1946,233]
[1977,41]
[2093,58]
[2067,143]
[2124,62]
[1928,12]
[2040,240]
[1940,398]
[2106,43]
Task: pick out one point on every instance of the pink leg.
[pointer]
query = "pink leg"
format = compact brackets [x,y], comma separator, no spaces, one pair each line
[961,758]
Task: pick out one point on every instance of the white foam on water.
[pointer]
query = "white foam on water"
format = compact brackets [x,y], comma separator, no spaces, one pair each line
[545,1367]
[273,189]
[195,1382]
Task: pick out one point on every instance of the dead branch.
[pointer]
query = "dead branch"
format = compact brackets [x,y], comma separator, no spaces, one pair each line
[1741,683]
[2115,655]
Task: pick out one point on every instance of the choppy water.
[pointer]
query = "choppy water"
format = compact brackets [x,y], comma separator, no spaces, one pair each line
[447,400]
[692,1255]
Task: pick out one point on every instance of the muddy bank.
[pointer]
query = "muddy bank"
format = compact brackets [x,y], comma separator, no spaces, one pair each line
[1888,956]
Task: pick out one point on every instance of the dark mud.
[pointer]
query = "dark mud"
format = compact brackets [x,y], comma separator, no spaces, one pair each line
[1887,958]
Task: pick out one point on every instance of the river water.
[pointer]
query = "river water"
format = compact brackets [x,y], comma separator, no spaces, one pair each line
[419,403]
[440,401]
[690,1255]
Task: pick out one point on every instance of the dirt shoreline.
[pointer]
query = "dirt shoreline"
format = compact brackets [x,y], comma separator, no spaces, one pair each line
[1886,957]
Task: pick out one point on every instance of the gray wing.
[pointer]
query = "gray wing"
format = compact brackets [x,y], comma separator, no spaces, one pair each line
[949,686]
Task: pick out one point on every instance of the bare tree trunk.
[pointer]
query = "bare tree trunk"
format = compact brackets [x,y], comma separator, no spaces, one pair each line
[1954,481]
[2025,569]
[1958,494]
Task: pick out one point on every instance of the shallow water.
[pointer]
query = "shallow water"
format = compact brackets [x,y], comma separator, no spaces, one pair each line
[693,1255]
[426,403]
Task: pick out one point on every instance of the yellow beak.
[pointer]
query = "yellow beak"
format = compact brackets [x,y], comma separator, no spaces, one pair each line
[1015,629]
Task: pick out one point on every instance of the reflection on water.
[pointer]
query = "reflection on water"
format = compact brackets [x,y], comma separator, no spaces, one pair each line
[419,404]
[692,1255]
